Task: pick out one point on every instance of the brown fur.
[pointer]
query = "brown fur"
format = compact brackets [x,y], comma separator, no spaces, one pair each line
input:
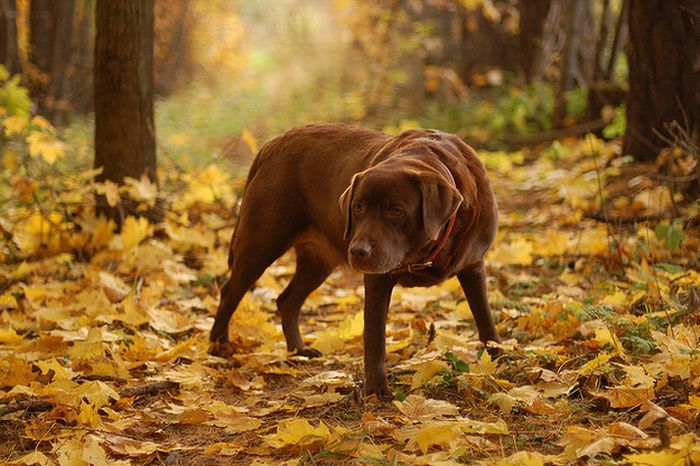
[341,194]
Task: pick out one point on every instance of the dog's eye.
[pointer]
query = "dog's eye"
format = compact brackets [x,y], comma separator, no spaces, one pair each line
[396,211]
[357,208]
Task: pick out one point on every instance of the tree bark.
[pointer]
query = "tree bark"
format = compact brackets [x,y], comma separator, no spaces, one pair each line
[485,44]
[664,72]
[9,55]
[575,11]
[533,14]
[51,27]
[124,128]
[174,63]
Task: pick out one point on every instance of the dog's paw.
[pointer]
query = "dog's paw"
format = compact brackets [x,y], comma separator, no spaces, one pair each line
[221,349]
[308,352]
[494,351]
[381,390]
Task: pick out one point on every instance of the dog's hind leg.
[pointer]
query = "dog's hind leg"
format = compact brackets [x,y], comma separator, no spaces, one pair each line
[312,270]
[255,245]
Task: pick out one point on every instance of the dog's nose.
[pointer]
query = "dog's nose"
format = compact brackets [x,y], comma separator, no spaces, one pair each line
[360,250]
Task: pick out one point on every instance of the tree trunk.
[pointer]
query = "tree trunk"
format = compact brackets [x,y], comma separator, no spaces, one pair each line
[575,11]
[485,44]
[664,72]
[533,14]
[9,55]
[124,128]
[174,63]
[51,27]
[79,89]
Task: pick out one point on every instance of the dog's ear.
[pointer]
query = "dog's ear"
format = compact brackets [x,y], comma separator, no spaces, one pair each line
[346,205]
[440,201]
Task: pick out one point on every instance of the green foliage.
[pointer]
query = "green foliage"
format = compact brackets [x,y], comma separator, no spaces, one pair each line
[671,234]
[13,97]
[490,115]
[457,364]
[577,102]
[399,395]
[617,126]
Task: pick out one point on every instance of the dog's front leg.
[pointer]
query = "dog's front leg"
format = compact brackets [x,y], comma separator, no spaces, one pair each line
[473,281]
[377,297]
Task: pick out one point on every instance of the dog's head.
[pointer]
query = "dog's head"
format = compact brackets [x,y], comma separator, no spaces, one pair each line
[393,210]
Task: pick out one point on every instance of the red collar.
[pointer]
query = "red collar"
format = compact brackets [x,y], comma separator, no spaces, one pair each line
[427,263]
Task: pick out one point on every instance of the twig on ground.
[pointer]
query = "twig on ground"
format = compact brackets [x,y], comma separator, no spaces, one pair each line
[26,405]
[147,389]
[547,136]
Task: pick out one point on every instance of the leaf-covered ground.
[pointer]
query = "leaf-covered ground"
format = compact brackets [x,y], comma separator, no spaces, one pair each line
[103,336]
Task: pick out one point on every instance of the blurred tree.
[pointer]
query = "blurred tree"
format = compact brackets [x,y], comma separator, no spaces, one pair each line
[604,88]
[533,14]
[59,60]
[124,128]
[664,73]
[488,38]
[575,10]
[174,64]
[54,51]
[9,54]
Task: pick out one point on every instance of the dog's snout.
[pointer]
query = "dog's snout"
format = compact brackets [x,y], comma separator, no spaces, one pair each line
[360,250]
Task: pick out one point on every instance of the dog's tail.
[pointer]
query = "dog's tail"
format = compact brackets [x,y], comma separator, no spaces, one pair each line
[254,167]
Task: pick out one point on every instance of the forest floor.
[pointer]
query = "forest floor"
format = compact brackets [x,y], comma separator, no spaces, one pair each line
[103,352]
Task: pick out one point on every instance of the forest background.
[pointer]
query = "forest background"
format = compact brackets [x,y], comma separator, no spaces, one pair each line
[586,114]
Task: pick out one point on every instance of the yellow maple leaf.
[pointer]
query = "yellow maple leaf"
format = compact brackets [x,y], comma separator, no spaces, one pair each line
[110,190]
[175,351]
[223,449]
[504,401]
[41,122]
[352,326]
[333,339]
[694,401]
[592,241]
[252,325]
[114,287]
[417,408]
[191,377]
[656,458]
[88,415]
[35,457]
[604,336]
[14,124]
[657,200]
[15,371]
[617,299]
[594,364]
[59,372]
[132,312]
[485,365]
[9,336]
[46,146]
[425,371]
[526,458]
[97,393]
[515,252]
[437,434]
[552,243]
[297,432]
[143,189]
[625,396]
[121,445]
[134,230]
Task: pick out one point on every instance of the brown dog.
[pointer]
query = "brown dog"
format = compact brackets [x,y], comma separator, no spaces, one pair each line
[413,209]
